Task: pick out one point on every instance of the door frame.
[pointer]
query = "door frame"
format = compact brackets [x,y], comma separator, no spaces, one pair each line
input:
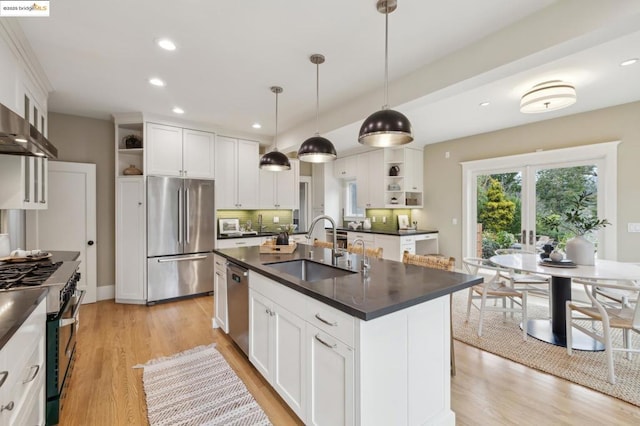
[604,155]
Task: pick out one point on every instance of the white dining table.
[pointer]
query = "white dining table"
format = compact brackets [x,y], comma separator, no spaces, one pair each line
[554,330]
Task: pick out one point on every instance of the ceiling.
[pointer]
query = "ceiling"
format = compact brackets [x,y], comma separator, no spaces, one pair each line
[445,58]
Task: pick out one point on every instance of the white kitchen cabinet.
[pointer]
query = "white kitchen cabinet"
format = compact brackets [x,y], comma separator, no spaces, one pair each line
[346,167]
[23,367]
[220,314]
[277,348]
[239,242]
[394,246]
[370,180]
[131,240]
[330,377]
[237,173]
[403,177]
[24,182]
[173,151]
[280,190]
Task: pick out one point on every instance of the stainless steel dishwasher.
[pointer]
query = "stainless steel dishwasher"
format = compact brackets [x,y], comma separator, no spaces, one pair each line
[238,305]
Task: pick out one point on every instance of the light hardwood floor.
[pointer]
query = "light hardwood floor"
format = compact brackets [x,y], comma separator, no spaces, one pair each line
[487,390]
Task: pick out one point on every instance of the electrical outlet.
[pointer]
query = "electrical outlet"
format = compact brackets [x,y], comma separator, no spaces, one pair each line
[633,227]
[454,221]
[384,219]
[276,219]
[373,219]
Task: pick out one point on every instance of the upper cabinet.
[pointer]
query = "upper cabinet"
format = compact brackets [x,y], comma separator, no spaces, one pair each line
[173,151]
[370,179]
[403,181]
[24,182]
[237,164]
[346,167]
[279,190]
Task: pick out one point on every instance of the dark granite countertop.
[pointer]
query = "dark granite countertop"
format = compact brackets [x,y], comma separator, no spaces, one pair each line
[64,256]
[259,234]
[397,233]
[389,287]
[15,308]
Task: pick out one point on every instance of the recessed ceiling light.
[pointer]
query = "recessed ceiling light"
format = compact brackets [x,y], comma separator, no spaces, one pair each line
[484,104]
[166,44]
[178,110]
[40,154]
[22,140]
[256,126]
[156,82]
[628,62]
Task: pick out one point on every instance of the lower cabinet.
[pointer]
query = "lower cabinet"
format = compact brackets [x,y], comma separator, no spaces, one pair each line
[277,349]
[308,367]
[131,240]
[220,313]
[23,372]
[330,377]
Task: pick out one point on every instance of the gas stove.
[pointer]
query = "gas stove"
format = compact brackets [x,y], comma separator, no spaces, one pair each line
[60,277]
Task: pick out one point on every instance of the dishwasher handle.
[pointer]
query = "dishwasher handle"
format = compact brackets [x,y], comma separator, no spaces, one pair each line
[237,269]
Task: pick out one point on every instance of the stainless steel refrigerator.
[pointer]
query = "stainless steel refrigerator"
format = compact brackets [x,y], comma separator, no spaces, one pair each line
[180,237]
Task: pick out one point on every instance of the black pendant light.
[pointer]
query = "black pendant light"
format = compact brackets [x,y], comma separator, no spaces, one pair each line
[275,161]
[386,127]
[317,149]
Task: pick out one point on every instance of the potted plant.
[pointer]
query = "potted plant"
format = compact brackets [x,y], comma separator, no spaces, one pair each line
[580,221]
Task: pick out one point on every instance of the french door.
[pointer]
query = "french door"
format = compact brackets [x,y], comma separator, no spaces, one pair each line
[519,201]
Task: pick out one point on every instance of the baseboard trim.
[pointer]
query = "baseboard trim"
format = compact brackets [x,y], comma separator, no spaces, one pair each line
[106,292]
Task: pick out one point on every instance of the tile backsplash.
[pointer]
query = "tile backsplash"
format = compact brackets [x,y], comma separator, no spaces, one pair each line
[284,216]
[379,214]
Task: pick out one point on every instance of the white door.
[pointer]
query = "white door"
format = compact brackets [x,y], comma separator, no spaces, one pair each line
[260,330]
[69,222]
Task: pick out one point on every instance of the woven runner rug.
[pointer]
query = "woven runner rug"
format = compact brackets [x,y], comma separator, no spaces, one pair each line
[588,369]
[198,387]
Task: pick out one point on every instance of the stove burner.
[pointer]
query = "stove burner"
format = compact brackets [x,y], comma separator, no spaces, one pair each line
[27,274]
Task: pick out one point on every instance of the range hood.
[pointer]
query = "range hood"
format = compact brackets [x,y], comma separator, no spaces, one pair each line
[19,137]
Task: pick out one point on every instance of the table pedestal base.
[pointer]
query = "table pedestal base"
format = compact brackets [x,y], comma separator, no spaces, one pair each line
[541,330]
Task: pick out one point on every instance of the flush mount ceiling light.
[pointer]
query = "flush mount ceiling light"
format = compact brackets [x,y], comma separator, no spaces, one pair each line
[178,110]
[386,127]
[317,149]
[275,161]
[548,96]
[256,126]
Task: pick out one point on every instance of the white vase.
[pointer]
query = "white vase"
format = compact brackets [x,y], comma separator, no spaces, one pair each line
[366,224]
[580,250]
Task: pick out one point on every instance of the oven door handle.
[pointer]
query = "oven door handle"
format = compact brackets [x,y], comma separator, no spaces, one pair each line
[74,318]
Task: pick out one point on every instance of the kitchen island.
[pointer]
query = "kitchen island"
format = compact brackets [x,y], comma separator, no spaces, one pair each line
[355,348]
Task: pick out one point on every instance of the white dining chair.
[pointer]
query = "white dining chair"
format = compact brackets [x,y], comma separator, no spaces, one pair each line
[625,318]
[495,287]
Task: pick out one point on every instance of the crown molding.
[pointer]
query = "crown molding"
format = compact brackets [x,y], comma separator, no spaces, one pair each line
[15,39]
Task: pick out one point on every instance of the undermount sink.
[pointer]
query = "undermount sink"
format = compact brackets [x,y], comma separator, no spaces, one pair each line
[309,271]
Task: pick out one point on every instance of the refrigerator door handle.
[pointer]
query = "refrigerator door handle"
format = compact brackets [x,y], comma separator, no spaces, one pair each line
[180,218]
[180,259]
[187,221]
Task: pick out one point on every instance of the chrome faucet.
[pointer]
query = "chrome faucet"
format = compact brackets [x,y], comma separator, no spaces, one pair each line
[365,259]
[334,252]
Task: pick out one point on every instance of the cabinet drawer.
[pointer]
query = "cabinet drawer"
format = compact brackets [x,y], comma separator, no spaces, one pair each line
[330,320]
[284,296]
[423,237]
[366,237]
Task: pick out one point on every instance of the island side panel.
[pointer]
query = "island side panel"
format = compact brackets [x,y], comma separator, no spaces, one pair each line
[403,367]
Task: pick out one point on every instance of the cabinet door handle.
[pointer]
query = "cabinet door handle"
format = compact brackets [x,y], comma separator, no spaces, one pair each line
[3,377]
[7,407]
[329,345]
[332,324]
[531,238]
[34,369]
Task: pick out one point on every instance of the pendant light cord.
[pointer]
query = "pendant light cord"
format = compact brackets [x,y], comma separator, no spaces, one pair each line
[386,58]
[276,135]
[317,99]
